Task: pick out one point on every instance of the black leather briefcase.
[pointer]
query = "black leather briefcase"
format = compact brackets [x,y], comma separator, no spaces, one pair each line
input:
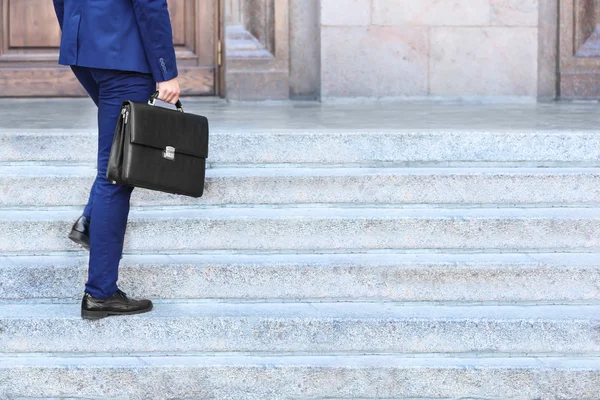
[159,148]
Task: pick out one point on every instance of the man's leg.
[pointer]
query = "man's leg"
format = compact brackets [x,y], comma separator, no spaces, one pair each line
[111,202]
[84,76]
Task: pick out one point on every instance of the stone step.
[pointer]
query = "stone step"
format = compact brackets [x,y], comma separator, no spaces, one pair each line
[361,327]
[324,228]
[409,147]
[319,277]
[300,377]
[50,185]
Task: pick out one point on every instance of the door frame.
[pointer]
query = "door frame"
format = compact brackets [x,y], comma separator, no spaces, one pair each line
[220,82]
[548,50]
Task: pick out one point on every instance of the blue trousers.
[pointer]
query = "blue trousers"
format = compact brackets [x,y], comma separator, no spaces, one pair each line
[108,204]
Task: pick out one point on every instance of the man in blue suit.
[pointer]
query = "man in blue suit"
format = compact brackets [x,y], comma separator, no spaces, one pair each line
[118,50]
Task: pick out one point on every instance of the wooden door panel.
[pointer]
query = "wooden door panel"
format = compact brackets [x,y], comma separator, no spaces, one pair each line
[580,49]
[32,23]
[30,40]
[195,35]
[177,11]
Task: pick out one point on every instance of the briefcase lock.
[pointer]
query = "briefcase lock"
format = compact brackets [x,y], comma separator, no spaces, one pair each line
[169,153]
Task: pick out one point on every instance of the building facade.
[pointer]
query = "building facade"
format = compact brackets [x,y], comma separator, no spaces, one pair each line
[331,49]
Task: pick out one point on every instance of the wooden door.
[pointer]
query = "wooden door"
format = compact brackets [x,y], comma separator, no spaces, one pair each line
[580,49]
[30,38]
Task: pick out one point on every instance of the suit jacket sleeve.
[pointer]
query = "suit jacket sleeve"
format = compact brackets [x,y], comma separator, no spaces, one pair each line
[59,7]
[157,36]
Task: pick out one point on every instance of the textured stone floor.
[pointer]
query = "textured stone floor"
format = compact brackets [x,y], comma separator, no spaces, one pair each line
[80,114]
[382,251]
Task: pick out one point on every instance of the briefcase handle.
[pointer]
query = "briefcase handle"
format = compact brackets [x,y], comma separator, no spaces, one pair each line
[154,97]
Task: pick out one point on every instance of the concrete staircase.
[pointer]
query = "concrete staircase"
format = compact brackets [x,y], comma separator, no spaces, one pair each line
[323,264]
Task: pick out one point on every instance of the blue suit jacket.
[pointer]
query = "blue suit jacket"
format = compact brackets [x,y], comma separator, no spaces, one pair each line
[126,35]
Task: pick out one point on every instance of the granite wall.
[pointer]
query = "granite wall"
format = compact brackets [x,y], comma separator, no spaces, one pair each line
[430,48]
[305,79]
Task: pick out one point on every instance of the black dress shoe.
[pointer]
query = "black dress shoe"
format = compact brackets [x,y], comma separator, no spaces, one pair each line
[80,233]
[117,304]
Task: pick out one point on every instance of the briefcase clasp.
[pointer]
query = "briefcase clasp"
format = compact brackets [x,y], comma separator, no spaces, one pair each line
[169,153]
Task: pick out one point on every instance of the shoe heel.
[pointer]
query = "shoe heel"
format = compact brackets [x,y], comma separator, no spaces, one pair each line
[80,239]
[93,314]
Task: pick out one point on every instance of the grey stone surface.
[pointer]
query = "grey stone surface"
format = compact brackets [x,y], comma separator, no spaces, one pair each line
[43,185]
[431,12]
[476,48]
[304,327]
[321,228]
[461,65]
[361,116]
[316,277]
[376,147]
[355,59]
[238,276]
[515,12]
[301,377]
[355,12]
[572,149]
[305,59]
[405,134]
[548,50]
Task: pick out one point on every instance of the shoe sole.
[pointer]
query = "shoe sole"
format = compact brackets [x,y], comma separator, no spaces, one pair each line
[103,314]
[80,239]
